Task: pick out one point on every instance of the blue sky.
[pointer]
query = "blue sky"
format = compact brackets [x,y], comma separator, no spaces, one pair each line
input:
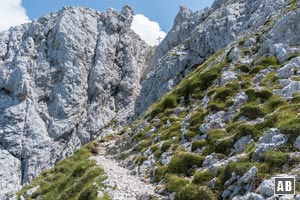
[161,11]
[153,19]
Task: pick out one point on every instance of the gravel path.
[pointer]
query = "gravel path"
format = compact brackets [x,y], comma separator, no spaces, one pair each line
[120,185]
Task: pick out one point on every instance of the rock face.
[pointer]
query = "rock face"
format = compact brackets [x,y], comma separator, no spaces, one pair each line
[64,79]
[68,77]
[195,36]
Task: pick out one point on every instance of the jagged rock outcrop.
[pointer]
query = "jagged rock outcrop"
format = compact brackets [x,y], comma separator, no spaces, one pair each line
[64,79]
[232,119]
[195,36]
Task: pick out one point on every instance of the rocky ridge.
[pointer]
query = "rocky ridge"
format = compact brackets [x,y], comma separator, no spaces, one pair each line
[64,79]
[196,36]
[224,129]
[231,125]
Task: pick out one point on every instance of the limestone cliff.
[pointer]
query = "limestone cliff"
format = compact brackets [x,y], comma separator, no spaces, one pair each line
[64,79]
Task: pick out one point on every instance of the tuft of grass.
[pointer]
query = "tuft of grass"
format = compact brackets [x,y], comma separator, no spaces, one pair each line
[291,128]
[191,192]
[244,130]
[195,82]
[252,112]
[72,178]
[242,41]
[292,5]
[296,98]
[159,173]
[183,163]
[275,159]
[168,101]
[175,183]
[202,177]
[224,145]
[244,68]
[165,146]
[240,168]
[268,61]
[196,120]
[214,135]
[198,144]
[141,159]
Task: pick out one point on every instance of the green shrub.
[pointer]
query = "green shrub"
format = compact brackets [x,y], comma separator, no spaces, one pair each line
[268,61]
[273,104]
[296,98]
[190,134]
[157,153]
[198,144]
[228,103]
[182,163]
[197,119]
[93,148]
[175,183]
[202,177]
[214,107]
[224,145]
[167,102]
[242,41]
[192,192]
[275,159]
[72,178]
[244,130]
[257,69]
[170,101]
[165,146]
[252,111]
[264,94]
[81,168]
[291,128]
[141,159]
[254,95]
[222,94]
[244,68]
[239,168]
[214,135]
[159,173]
[143,144]
[154,148]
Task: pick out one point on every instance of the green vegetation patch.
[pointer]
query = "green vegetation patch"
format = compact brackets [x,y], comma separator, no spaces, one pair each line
[244,130]
[175,183]
[252,112]
[291,128]
[240,168]
[275,159]
[202,177]
[192,192]
[195,82]
[159,173]
[183,162]
[198,144]
[72,178]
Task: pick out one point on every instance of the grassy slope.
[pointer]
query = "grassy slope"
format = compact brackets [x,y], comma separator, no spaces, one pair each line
[75,178]
[183,173]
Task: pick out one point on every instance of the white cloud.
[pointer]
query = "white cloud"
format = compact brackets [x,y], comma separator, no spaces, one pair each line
[11,13]
[149,31]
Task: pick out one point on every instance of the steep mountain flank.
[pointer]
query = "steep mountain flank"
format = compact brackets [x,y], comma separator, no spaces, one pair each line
[196,36]
[231,125]
[64,79]
[217,110]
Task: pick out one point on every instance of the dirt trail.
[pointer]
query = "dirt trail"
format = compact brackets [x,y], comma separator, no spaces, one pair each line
[120,185]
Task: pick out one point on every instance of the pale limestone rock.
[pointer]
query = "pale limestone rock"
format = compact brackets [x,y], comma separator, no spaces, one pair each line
[63,78]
